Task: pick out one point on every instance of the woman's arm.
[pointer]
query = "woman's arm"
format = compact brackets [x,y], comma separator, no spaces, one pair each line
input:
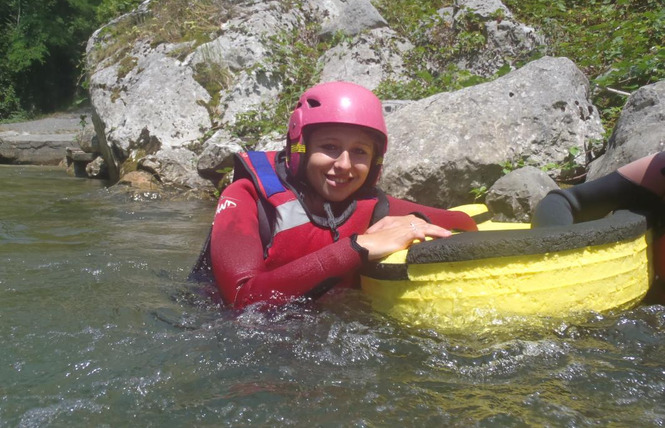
[408,222]
[592,200]
[451,220]
[237,256]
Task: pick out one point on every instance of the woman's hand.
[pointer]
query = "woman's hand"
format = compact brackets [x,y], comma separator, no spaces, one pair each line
[392,234]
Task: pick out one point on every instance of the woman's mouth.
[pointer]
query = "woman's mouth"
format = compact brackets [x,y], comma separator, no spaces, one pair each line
[338,180]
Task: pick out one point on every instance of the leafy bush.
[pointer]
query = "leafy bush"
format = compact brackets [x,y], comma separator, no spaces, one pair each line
[407,16]
[10,105]
[168,21]
[424,83]
[110,9]
[619,44]
[429,65]
[41,43]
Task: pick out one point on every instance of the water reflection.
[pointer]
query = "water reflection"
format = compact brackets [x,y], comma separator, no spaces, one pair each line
[98,326]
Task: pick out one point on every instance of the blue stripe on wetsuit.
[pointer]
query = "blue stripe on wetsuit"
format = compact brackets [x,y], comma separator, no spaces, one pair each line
[266,173]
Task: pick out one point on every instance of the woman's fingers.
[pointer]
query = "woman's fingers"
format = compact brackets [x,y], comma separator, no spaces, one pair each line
[397,233]
[390,222]
[409,225]
[434,231]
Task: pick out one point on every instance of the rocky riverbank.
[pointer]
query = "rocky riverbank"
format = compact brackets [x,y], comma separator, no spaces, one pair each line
[41,141]
[161,123]
[64,138]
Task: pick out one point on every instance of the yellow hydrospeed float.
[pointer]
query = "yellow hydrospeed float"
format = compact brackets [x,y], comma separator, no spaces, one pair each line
[507,272]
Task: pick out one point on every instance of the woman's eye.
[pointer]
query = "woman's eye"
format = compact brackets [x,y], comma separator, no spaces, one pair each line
[361,151]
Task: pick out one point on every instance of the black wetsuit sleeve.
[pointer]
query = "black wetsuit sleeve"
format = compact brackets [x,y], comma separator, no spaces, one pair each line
[593,200]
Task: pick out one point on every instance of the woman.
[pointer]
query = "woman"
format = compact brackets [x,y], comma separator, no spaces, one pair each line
[301,221]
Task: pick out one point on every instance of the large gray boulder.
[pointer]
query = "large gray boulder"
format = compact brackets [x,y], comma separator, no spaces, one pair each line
[245,49]
[241,56]
[639,132]
[151,110]
[367,59]
[150,104]
[507,42]
[513,198]
[443,146]
[350,17]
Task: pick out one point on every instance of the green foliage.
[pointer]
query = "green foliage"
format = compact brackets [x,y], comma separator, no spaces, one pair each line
[512,164]
[176,21]
[294,63]
[127,64]
[214,77]
[251,125]
[619,44]
[168,21]
[423,84]
[406,16]
[41,43]
[571,163]
[572,168]
[110,9]
[10,104]
[479,193]
[430,64]
[470,35]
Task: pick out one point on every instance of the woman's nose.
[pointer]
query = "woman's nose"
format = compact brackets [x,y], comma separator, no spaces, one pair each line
[343,161]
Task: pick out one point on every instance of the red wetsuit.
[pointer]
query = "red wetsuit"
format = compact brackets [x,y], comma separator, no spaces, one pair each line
[245,276]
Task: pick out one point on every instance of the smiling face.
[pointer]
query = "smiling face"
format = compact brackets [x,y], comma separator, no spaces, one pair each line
[339,161]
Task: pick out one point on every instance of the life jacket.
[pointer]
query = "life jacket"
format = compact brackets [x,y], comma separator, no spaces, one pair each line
[284,219]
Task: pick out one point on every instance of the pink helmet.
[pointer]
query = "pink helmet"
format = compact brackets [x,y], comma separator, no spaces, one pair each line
[335,102]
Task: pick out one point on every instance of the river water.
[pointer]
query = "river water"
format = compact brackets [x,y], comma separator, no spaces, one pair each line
[99,327]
